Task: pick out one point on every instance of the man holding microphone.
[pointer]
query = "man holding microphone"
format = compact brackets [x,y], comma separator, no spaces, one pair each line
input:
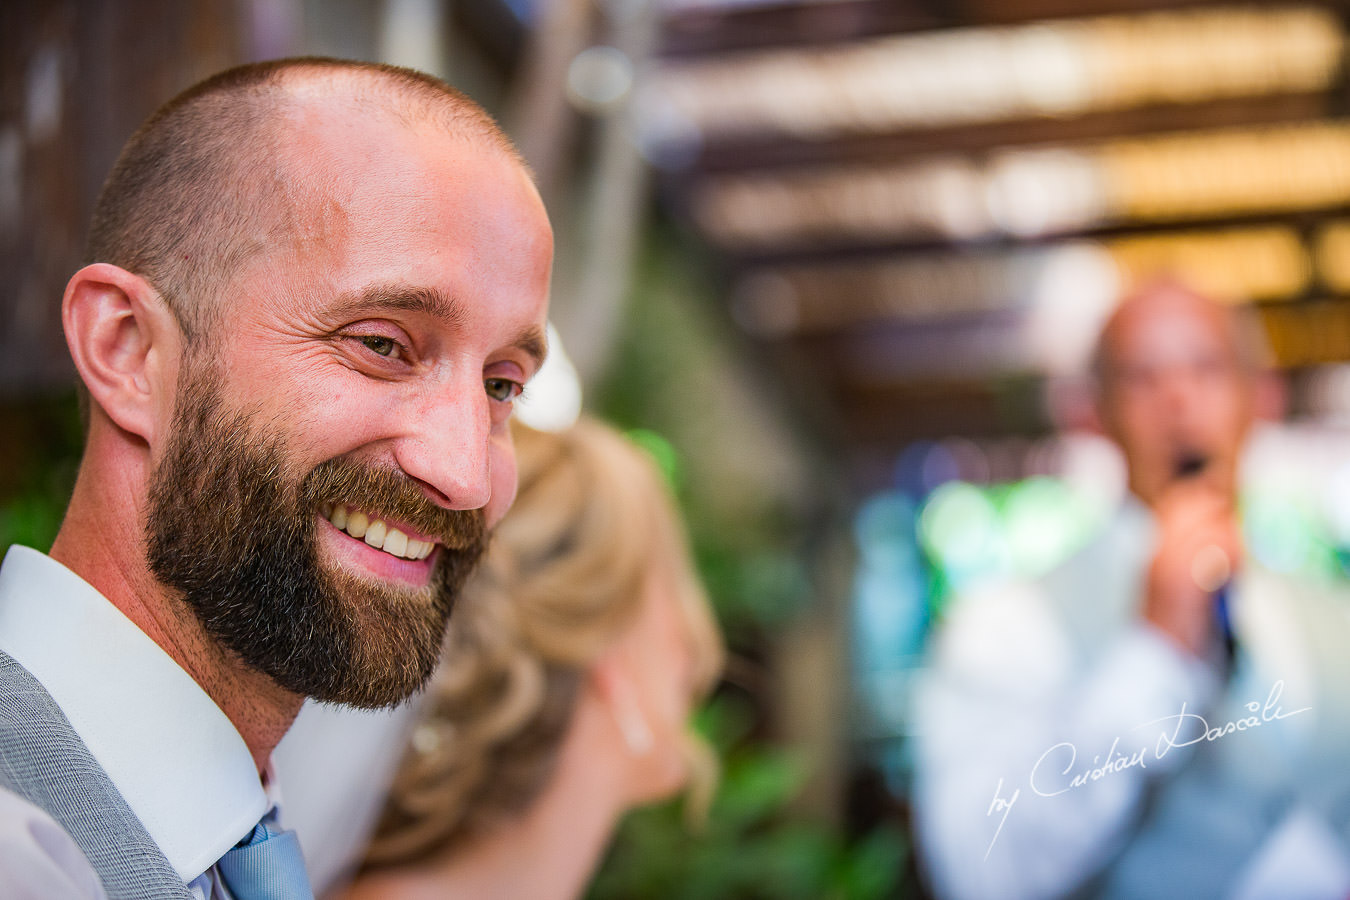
[1149,719]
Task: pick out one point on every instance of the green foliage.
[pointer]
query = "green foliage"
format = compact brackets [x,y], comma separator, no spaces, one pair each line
[756,584]
[752,847]
[31,519]
[677,382]
[681,381]
[39,456]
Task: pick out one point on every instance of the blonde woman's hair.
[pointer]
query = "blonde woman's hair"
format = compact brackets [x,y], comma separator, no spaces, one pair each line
[564,577]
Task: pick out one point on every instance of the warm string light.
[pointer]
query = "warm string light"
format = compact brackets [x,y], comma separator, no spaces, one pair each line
[1332,250]
[1235,265]
[983,75]
[1308,334]
[1030,193]
[978,75]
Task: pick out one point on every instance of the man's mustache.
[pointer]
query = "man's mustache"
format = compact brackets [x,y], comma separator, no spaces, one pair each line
[387,493]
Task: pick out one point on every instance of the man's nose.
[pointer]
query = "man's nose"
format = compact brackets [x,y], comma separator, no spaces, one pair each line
[445,444]
[1182,392]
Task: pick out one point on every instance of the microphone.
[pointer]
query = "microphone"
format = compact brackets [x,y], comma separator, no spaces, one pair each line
[1225,620]
[1192,465]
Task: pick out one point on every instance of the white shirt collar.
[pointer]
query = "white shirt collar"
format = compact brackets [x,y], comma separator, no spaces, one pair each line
[175,757]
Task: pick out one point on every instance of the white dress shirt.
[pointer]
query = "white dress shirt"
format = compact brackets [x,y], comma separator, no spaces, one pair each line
[177,760]
[337,764]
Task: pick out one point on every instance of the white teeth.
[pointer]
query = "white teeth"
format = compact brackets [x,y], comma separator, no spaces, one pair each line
[376,533]
[357,523]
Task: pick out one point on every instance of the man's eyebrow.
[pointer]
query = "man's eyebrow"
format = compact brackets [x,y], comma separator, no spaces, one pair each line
[435,303]
[534,343]
[403,298]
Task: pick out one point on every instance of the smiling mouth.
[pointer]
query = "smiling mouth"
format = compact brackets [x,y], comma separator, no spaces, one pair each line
[376,532]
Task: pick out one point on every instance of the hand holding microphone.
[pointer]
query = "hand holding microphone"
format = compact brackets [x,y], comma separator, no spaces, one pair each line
[1199,547]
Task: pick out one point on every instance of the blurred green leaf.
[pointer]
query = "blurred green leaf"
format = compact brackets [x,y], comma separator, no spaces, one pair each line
[666,379]
[753,846]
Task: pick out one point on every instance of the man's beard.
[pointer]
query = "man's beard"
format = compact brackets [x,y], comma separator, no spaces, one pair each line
[232,529]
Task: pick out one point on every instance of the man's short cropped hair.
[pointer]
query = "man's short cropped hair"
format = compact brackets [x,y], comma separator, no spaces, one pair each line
[203,183]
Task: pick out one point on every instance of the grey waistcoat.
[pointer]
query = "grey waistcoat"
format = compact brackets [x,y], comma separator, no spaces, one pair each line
[44,761]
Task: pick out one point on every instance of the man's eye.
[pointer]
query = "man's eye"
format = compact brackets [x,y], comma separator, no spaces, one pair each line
[501,389]
[382,346]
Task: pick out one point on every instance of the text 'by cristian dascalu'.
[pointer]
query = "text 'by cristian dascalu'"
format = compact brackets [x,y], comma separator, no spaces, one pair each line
[1058,770]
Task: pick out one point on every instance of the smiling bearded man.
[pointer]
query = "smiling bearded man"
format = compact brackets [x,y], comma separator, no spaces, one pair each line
[253,573]
[314,290]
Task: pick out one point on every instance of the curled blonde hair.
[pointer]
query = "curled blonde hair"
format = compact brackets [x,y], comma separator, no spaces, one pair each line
[564,577]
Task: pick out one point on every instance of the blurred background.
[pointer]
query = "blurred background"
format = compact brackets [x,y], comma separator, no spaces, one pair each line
[839,264]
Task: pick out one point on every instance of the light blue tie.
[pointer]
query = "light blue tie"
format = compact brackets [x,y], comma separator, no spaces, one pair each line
[266,865]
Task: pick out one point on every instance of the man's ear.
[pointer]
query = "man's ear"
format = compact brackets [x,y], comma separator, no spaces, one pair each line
[125,342]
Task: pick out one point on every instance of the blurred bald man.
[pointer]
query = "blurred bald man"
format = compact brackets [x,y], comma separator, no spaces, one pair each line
[1157,717]
[314,290]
